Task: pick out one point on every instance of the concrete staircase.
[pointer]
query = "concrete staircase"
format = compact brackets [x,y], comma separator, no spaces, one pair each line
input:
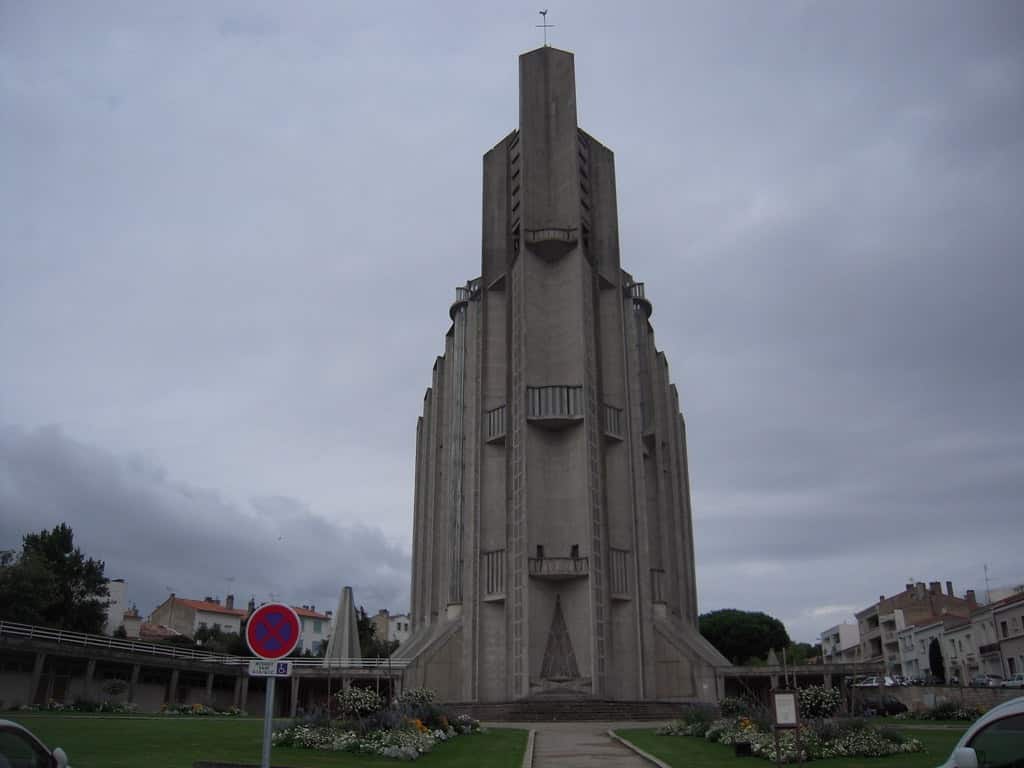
[568,710]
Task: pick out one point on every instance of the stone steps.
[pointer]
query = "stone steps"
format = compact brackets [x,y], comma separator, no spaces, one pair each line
[575,710]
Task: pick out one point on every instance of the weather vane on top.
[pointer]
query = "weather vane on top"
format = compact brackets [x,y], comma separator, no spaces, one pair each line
[545,25]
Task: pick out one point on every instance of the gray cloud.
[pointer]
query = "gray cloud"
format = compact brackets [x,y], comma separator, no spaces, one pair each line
[228,239]
[158,533]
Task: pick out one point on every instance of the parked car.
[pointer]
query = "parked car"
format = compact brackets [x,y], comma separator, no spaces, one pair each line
[1014,681]
[886,705]
[874,682]
[986,681]
[19,747]
[994,739]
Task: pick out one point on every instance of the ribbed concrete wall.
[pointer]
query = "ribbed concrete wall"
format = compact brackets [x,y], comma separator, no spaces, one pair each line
[553,540]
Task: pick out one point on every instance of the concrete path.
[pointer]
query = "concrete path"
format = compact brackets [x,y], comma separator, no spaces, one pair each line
[581,745]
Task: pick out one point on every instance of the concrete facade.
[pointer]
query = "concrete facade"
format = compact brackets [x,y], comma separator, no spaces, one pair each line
[553,541]
[840,643]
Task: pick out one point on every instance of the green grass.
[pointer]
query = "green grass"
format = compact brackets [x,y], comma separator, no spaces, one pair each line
[693,752]
[128,742]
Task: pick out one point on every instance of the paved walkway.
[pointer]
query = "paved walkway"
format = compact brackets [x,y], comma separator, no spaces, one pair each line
[582,744]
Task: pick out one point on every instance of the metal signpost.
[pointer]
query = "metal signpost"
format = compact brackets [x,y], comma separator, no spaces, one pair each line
[272,632]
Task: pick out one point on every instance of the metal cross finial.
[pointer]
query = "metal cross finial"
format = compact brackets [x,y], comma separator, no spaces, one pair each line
[545,26]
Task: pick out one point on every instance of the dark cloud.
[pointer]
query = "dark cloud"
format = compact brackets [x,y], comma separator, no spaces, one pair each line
[229,238]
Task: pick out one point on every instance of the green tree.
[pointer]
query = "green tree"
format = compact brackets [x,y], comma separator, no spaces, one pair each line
[743,635]
[50,582]
[935,661]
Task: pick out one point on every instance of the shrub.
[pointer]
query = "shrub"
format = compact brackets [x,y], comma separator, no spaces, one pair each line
[734,706]
[415,697]
[816,701]
[359,702]
[950,710]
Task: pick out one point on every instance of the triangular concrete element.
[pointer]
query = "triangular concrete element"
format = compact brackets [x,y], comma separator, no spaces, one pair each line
[559,659]
[344,642]
[773,659]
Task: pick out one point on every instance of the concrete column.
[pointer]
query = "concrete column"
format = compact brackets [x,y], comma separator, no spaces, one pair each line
[828,681]
[244,695]
[37,676]
[209,689]
[172,693]
[134,681]
[295,695]
[90,672]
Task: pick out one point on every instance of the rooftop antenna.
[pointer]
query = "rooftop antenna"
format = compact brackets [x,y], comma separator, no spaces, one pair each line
[545,26]
[988,591]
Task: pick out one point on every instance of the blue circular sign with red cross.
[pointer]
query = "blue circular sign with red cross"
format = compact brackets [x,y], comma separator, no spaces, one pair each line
[273,631]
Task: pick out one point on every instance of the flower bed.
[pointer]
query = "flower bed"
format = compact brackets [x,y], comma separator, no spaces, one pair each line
[817,740]
[411,727]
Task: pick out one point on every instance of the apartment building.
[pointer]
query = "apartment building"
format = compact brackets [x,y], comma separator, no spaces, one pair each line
[841,643]
[879,625]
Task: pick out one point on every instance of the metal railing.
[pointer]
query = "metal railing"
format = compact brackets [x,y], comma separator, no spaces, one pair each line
[558,567]
[85,640]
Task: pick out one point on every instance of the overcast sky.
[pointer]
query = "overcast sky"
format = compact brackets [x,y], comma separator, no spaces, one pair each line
[230,233]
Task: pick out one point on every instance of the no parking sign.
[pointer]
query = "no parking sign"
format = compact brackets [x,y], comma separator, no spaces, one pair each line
[272,632]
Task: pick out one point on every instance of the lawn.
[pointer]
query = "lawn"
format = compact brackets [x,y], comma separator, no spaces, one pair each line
[123,742]
[695,752]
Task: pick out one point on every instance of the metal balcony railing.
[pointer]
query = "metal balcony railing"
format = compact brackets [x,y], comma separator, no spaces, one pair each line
[613,422]
[557,568]
[494,425]
[554,402]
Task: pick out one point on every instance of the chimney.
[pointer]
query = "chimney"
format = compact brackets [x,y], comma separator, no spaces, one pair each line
[229,601]
[971,599]
[881,598]
[949,588]
[935,587]
[908,587]
[252,604]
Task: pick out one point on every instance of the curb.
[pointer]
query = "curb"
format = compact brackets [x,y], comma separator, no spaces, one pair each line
[528,754]
[635,749]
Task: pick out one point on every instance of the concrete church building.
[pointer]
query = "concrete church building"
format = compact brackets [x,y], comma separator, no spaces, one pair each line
[553,541]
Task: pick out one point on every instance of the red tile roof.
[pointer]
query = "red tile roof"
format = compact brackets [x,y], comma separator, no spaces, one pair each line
[156,632]
[306,613]
[203,605]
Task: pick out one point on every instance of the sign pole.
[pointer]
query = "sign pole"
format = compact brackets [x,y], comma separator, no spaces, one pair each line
[268,722]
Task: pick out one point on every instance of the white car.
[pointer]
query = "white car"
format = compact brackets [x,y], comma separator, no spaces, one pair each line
[1014,681]
[994,740]
[19,747]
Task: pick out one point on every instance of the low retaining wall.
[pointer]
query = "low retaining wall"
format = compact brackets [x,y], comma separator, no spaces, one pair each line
[921,697]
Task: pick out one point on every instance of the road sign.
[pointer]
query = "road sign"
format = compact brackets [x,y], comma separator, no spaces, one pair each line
[272,631]
[270,668]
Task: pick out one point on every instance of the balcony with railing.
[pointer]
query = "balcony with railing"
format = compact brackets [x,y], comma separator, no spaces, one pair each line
[558,568]
[613,427]
[635,291]
[494,425]
[463,295]
[554,406]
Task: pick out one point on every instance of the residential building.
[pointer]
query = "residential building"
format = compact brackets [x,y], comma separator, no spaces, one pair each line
[116,605]
[879,625]
[840,643]
[1008,619]
[552,527]
[391,627]
[186,617]
[316,629]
